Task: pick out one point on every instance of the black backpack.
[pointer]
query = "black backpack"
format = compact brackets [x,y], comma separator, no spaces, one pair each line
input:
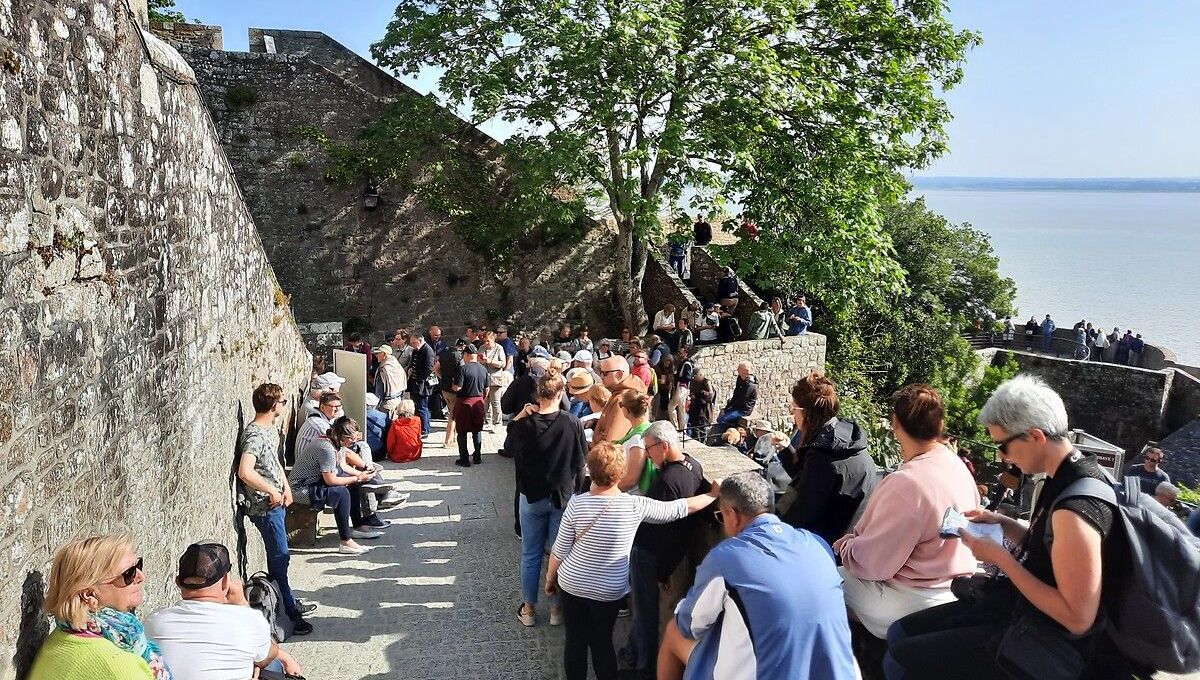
[1154,619]
[263,595]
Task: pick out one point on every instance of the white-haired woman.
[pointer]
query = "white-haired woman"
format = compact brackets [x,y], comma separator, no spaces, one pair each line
[1041,619]
[404,443]
[95,586]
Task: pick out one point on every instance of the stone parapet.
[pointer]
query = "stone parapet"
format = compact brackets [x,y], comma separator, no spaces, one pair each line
[777,363]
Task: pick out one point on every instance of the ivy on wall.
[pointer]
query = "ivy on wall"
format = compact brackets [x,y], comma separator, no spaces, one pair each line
[500,203]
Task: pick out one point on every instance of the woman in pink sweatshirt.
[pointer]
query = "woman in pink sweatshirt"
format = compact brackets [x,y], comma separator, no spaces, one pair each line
[893,562]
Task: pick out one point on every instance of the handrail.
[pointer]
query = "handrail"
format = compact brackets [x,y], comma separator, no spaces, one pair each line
[1059,347]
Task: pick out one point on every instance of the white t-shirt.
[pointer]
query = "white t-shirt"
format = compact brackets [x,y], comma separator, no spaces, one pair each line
[210,641]
[661,319]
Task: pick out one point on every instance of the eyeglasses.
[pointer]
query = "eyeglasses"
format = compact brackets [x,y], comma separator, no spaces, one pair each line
[282,402]
[611,370]
[1002,447]
[128,575]
[720,515]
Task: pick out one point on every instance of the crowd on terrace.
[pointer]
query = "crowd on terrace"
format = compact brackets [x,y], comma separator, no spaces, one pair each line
[608,504]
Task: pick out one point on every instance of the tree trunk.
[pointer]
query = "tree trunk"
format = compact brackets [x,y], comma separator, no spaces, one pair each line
[628,275]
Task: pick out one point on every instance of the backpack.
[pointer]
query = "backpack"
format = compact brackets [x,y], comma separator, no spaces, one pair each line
[263,595]
[1154,619]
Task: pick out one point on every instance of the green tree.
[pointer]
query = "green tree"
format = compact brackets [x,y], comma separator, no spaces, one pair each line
[161,10]
[776,103]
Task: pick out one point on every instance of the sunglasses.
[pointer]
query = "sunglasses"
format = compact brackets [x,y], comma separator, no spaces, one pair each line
[720,515]
[1002,446]
[129,574]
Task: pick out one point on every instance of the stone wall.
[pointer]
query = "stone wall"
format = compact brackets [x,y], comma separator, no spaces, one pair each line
[1183,401]
[1120,404]
[777,365]
[400,263]
[138,308]
[191,35]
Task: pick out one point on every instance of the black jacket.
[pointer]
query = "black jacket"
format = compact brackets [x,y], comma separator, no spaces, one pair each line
[744,397]
[523,391]
[549,452]
[832,475]
[420,369]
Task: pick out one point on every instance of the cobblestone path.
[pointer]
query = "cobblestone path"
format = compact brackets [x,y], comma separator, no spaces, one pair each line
[436,597]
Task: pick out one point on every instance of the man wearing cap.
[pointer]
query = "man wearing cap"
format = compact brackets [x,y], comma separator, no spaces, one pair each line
[614,373]
[326,383]
[579,383]
[469,415]
[583,359]
[419,372]
[390,380]
[212,633]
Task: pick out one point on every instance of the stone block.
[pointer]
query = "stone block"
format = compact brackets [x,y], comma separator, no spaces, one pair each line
[301,523]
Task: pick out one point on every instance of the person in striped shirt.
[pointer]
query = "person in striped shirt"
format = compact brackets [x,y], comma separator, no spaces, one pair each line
[589,564]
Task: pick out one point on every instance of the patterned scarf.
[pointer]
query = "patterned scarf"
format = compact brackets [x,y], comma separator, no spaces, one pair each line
[124,630]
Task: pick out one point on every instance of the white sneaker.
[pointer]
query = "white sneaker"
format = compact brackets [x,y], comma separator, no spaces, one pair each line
[393,499]
[359,533]
[352,549]
[555,616]
[526,619]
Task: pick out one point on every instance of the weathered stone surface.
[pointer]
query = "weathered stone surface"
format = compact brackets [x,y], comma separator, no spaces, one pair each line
[777,364]
[138,308]
[400,264]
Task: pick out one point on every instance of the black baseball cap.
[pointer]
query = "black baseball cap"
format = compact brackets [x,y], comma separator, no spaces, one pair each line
[471,349]
[202,565]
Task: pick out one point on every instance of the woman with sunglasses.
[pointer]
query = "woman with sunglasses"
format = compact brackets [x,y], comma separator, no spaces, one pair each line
[95,585]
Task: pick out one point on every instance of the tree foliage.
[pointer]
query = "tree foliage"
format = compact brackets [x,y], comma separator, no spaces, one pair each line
[162,10]
[782,105]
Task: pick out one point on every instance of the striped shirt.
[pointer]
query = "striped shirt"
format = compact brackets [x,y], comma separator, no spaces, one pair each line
[315,425]
[597,567]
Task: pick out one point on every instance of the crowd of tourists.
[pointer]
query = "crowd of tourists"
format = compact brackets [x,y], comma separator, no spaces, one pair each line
[1086,341]
[609,503]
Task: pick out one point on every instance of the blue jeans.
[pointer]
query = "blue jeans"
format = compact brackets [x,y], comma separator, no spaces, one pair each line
[421,408]
[1046,342]
[726,420]
[274,535]
[676,262]
[539,528]
[643,635]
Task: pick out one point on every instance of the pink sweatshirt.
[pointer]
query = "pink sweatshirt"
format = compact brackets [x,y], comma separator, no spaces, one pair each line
[896,540]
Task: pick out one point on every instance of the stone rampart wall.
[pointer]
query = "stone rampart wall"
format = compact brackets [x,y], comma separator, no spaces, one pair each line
[138,308]
[661,286]
[777,364]
[1183,401]
[1120,404]
[399,264]
[191,35]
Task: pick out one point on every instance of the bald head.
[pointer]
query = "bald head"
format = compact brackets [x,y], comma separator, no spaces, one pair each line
[613,370]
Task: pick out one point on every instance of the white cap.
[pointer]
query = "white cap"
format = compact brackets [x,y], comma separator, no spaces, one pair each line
[583,355]
[564,355]
[327,380]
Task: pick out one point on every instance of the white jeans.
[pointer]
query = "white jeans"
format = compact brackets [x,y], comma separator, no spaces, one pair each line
[879,604]
[677,411]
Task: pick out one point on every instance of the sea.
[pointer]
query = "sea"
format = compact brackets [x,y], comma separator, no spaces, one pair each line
[1116,252]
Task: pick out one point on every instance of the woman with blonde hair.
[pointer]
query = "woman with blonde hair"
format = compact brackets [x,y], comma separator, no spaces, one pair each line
[95,585]
[589,565]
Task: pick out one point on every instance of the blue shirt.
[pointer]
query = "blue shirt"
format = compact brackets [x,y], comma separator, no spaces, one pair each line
[376,422]
[799,326]
[767,604]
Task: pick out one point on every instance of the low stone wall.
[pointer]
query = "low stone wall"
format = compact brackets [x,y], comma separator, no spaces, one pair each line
[192,35]
[777,363]
[137,308]
[1183,400]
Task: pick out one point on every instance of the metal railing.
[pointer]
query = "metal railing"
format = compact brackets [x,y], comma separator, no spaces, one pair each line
[1062,348]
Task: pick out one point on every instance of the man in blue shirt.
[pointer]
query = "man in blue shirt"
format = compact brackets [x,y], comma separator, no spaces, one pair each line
[799,318]
[1048,327]
[749,615]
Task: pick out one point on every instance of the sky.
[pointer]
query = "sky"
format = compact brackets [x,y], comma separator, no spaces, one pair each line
[1059,88]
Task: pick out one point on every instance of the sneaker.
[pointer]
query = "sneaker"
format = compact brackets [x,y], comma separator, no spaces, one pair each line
[301,627]
[527,619]
[375,522]
[477,459]
[305,607]
[363,533]
[392,499]
[352,549]
[462,463]
[555,616]
[372,487]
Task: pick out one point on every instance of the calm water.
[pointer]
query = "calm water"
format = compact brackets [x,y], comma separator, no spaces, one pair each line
[1116,258]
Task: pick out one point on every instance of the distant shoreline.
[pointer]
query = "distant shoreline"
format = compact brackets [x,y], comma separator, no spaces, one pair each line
[1127,184]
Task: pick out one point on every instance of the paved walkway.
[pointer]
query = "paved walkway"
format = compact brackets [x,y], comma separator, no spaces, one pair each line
[437,595]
